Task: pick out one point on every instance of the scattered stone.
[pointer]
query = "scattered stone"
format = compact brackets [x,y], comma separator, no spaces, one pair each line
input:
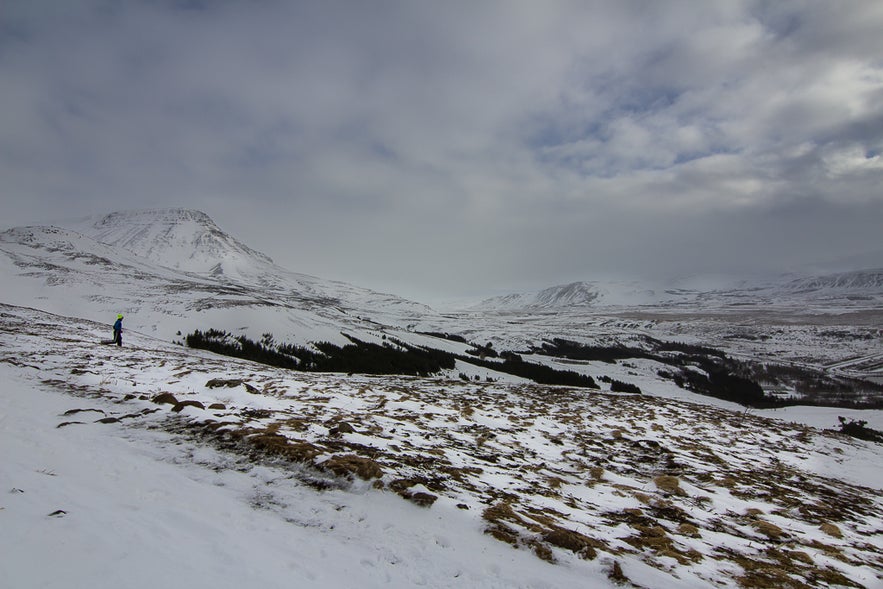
[165,399]
[58,513]
[218,406]
[420,498]
[232,383]
[343,427]
[67,423]
[108,420]
[190,403]
[75,411]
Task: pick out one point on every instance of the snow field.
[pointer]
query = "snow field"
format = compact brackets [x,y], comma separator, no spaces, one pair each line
[678,494]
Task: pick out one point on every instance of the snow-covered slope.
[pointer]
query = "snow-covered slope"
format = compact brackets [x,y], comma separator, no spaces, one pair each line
[182,239]
[574,295]
[858,282]
[174,270]
[848,289]
[152,465]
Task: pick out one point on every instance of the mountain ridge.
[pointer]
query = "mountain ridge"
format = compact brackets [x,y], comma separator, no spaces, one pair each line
[845,287]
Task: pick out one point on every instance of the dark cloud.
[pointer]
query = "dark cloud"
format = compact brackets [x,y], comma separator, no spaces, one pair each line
[458,147]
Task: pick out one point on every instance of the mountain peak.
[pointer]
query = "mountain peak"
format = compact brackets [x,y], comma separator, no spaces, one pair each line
[169,215]
[183,239]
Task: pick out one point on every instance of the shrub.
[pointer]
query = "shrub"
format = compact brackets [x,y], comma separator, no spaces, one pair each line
[858,429]
[617,386]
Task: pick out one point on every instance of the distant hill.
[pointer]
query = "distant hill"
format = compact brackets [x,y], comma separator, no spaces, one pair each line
[846,289]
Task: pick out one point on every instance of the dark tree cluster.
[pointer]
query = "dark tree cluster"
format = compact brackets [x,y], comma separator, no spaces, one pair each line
[359,356]
[561,348]
[222,342]
[538,373]
[447,336]
[617,386]
[718,375]
[393,357]
[367,358]
[859,429]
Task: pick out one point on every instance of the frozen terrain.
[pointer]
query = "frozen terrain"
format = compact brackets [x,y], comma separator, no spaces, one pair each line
[157,465]
[227,472]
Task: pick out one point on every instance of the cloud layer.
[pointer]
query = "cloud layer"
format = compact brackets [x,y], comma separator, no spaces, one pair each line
[457,147]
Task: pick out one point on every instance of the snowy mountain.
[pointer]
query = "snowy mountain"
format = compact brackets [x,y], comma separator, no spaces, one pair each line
[868,282]
[174,270]
[574,295]
[849,289]
[181,239]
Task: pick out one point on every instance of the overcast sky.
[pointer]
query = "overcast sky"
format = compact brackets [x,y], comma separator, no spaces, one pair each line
[445,148]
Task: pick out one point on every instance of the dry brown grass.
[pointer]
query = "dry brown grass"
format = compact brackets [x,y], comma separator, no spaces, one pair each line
[273,444]
[667,484]
[574,541]
[350,464]
[831,530]
[771,531]
[616,575]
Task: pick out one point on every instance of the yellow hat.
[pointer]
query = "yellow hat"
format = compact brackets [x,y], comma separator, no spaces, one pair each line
[119,316]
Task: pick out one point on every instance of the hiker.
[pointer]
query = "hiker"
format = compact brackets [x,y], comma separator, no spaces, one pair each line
[118,331]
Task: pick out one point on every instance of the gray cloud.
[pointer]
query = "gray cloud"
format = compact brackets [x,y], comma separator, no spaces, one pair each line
[441,148]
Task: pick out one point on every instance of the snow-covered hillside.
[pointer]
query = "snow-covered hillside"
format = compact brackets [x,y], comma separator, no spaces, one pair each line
[175,270]
[847,290]
[154,465]
[573,296]
[182,239]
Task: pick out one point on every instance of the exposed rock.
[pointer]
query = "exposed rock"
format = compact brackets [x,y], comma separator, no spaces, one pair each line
[165,399]
[75,411]
[342,427]
[180,406]
[420,498]
[231,383]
